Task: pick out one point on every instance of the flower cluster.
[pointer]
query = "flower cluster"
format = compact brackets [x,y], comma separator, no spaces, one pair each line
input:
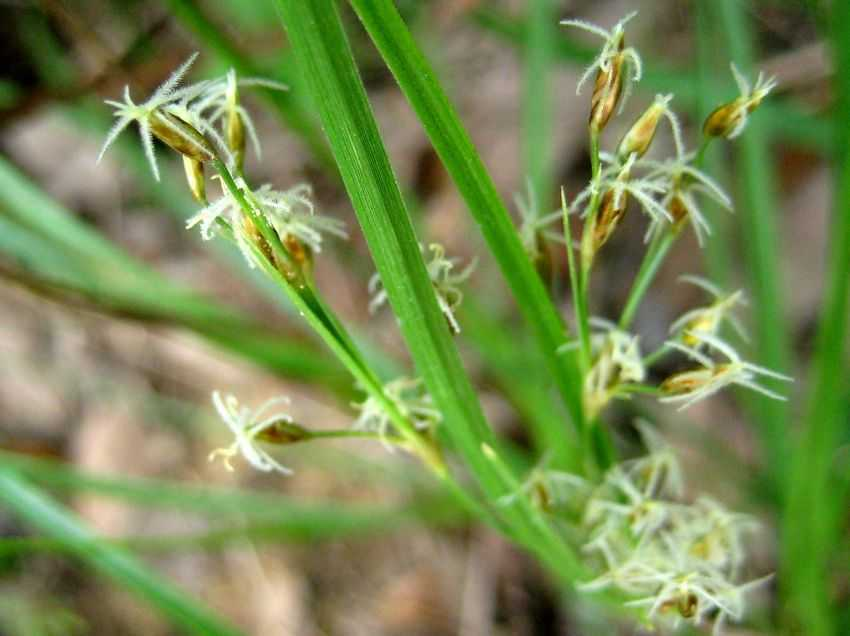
[194,120]
[444,279]
[679,562]
[688,387]
[290,212]
[729,120]
[696,323]
[617,67]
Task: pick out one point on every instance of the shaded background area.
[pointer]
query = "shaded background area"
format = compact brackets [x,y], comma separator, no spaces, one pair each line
[116,323]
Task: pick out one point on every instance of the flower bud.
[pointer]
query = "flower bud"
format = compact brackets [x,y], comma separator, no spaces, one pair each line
[724,120]
[235,127]
[728,120]
[690,381]
[284,432]
[607,91]
[639,137]
[195,178]
[181,136]
[611,211]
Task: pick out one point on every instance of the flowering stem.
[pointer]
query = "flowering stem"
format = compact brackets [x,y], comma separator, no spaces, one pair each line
[594,436]
[580,307]
[301,291]
[582,312]
[652,261]
[656,355]
[699,160]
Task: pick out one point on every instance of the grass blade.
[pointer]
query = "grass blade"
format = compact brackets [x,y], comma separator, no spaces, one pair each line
[418,82]
[537,104]
[325,59]
[816,507]
[758,211]
[294,518]
[42,513]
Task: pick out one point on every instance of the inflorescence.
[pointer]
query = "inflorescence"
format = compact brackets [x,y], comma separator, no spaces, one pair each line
[675,561]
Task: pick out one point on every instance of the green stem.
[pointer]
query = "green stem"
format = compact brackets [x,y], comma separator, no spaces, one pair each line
[656,355]
[587,245]
[302,292]
[579,306]
[652,261]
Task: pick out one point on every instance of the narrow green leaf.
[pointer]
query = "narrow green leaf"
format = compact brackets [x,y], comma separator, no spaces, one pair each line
[324,56]
[419,84]
[816,506]
[42,513]
[759,209]
[537,102]
[293,517]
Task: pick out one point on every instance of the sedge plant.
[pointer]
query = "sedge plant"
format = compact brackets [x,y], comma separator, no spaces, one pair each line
[617,528]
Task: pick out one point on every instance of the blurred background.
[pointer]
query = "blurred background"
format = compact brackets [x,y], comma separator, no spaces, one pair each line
[116,323]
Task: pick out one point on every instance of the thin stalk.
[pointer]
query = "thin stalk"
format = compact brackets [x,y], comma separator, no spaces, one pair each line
[579,304]
[657,355]
[652,261]
[587,244]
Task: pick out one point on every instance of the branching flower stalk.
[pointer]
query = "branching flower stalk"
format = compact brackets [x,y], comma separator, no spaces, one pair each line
[675,560]
[272,235]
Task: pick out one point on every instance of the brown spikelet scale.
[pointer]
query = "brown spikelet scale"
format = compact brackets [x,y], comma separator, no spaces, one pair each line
[677,209]
[298,252]
[688,604]
[722,120]
[194,170]
[611,211]
[235,135]
[181,136]
[283,433]
[676,384]
[607,91]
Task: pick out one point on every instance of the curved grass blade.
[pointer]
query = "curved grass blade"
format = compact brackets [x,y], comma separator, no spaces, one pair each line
[40,512]
[759,209]
[419,84]
[817,500]
[324,56]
